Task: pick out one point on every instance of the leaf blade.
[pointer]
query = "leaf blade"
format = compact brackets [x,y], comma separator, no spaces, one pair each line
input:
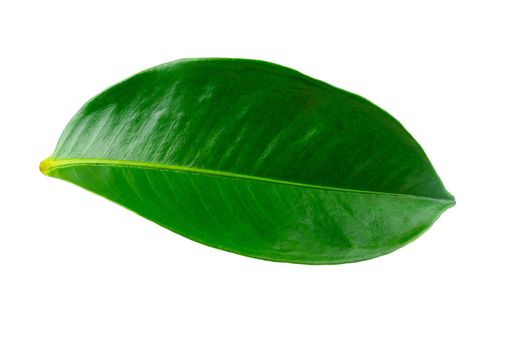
[296,170]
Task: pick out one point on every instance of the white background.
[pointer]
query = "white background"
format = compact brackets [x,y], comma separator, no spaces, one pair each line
[78,272]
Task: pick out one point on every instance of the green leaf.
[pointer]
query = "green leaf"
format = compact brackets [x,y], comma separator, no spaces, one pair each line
[254,158]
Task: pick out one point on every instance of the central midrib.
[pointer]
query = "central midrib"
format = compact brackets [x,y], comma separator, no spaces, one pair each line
[49,164]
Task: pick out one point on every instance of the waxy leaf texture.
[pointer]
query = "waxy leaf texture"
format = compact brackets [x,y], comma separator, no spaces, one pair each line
[254,158]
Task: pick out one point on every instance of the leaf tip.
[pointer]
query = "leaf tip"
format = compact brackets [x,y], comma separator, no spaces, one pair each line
[452,200]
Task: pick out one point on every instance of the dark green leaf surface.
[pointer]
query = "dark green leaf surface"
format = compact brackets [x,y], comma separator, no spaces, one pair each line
[254,158]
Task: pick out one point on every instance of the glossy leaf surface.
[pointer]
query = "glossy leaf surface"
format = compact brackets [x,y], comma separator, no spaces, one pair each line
[254,158]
